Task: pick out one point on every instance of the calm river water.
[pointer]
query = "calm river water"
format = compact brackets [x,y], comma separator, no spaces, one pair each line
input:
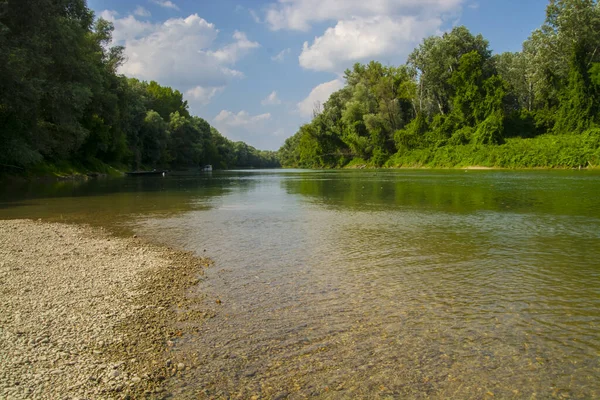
[372,284]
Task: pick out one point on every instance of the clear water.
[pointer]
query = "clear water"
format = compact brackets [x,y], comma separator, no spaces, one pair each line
[398,284]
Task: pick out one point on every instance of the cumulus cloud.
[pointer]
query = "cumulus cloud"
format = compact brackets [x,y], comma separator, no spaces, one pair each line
[361,30]
[179,52]
[281,55]
[252,129]
[165,4]
[126,28]
[363,39]
[300,14]
[318,96]
[232,52]
[242,118]
[141,12]
[271,99]
[203,95]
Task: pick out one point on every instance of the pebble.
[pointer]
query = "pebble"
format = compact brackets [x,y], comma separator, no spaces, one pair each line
[73,293]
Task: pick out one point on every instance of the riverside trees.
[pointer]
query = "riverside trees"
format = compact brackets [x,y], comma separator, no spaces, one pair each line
[454,98]
[62,100]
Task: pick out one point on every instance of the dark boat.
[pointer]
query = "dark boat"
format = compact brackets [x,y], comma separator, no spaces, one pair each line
[145,173]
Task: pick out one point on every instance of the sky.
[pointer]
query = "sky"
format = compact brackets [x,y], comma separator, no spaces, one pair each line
[255,69]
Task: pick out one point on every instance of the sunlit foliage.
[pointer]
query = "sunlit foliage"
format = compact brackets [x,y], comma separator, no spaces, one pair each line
[453,98]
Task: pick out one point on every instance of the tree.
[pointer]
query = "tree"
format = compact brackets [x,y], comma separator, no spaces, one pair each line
[166,101]
[436,59]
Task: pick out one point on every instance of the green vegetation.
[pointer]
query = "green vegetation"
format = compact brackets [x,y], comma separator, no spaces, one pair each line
[64,108]
[455,104]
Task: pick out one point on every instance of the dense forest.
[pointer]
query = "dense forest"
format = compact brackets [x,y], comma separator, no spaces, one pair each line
[454,103]
[62,102]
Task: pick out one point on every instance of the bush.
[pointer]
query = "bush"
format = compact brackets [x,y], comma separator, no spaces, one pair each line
[489,131]
[546,151]
[462,136]
[411,137]
[520,124]
[442,129]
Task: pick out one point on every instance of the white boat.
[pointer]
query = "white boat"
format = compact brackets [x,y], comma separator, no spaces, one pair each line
[207,168]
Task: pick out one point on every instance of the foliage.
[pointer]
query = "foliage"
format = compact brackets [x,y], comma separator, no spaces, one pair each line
[62,102]
[454,104]
[545,151]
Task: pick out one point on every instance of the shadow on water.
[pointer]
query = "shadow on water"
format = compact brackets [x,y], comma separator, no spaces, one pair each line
[453,191]
[14,205]
[114,202]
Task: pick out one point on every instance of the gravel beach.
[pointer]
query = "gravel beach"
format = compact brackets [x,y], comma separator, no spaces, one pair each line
[84,314]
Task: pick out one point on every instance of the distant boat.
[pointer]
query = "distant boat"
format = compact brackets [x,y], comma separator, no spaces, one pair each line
[145,173]
[207,168]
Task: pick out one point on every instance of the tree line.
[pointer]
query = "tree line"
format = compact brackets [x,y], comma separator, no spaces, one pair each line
[455,103]
[62,100]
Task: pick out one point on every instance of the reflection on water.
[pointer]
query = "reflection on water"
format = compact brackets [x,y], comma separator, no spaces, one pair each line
[399,284]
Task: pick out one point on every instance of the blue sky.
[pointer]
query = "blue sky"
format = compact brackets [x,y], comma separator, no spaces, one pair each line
[255,69]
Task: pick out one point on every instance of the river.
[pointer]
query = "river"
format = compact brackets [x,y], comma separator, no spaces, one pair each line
[371,284]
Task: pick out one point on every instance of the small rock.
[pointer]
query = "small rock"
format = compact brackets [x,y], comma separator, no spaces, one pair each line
[136,379]
[250,373]
[180,366]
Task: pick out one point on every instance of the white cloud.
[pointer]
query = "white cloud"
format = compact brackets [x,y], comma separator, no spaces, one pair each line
[203,95]
[126,28]
[361,30]
[232,52]
[363,39]
[255,16]
[141,12]
[318,96]
[252,129]
[271,99]
[242,118]
[300,14]
[281,55]
[165,4]
[179,52]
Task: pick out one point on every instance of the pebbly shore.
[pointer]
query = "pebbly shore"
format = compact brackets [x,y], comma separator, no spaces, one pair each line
[84,314]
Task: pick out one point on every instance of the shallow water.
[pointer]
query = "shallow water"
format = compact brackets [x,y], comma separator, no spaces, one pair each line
[399,284]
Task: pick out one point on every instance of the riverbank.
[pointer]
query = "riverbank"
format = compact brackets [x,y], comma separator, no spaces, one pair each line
[60,171]
[87,315]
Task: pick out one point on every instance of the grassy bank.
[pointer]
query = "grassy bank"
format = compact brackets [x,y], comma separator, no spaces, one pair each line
[61,170]
[546,151]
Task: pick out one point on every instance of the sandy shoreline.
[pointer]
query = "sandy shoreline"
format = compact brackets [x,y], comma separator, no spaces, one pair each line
[87,315]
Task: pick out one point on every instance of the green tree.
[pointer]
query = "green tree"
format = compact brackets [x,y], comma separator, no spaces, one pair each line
[436,59]
[166,101]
